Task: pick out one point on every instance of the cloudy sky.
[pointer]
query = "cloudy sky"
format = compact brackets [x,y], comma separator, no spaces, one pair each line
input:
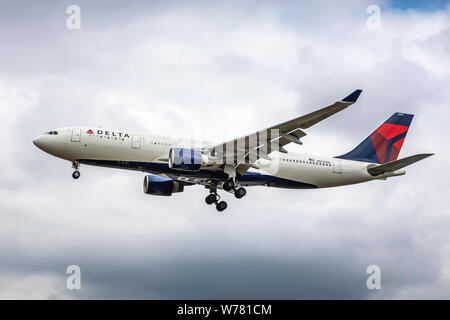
[215,70]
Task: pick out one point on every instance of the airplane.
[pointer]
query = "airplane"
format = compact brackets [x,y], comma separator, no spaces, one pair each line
[258,159]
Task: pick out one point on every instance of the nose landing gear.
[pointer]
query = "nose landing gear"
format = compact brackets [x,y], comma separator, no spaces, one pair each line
[76,174]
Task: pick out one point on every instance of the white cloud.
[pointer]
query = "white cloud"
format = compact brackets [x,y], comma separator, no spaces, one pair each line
[32,287]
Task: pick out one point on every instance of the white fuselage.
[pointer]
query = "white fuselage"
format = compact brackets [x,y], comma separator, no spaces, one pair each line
[100,146]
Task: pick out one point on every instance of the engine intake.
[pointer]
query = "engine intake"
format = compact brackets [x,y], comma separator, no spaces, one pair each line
[160,186]
[185,159]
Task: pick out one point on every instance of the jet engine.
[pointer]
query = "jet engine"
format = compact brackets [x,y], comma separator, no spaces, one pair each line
[187,159]
[160,186]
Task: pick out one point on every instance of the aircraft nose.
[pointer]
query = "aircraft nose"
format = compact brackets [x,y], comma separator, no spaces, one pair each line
[38,142]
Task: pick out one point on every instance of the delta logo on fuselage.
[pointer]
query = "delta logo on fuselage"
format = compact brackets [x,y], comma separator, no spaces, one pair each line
[115,134]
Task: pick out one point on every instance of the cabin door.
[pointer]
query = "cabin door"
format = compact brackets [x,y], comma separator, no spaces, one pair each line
[337,166]
[76,135]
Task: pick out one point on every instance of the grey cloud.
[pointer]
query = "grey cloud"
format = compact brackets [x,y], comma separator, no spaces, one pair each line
[213,69]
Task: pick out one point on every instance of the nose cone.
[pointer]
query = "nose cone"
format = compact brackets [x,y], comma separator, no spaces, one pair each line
[49,143]
[39,142]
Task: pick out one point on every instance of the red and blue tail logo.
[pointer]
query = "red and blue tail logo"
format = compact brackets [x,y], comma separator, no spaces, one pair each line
[385,143]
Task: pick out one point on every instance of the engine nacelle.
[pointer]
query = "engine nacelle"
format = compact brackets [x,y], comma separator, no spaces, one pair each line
[160,186]
[185,159]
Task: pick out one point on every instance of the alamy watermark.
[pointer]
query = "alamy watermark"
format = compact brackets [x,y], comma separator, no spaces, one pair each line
[73,281]
[373,22]
[374,280]
[73,22]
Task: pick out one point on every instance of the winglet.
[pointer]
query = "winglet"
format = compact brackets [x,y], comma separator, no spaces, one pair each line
[353,96]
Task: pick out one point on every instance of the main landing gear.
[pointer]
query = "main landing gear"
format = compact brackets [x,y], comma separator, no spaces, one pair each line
[231,185]
[76,174]
[240,192]
[228,185]
[213,197]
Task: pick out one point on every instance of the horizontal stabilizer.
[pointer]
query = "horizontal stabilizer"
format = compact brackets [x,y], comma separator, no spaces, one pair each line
[397,164]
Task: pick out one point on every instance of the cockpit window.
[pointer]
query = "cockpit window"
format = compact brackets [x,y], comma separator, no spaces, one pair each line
[52,133]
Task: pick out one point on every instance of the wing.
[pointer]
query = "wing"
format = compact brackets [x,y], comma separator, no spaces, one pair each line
[244,151]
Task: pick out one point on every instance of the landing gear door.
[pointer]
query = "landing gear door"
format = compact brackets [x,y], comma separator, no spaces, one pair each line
[76,135]
[337,166]
[136,142]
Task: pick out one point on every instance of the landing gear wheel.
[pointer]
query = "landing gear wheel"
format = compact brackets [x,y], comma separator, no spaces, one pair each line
[211,198]
[76,174]
[222,205]
[240,192]
[228,185]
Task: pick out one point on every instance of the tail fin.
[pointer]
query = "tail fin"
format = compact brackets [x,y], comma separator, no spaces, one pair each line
[385,143]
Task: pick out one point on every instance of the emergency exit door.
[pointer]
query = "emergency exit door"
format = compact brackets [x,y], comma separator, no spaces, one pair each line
[136,142]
